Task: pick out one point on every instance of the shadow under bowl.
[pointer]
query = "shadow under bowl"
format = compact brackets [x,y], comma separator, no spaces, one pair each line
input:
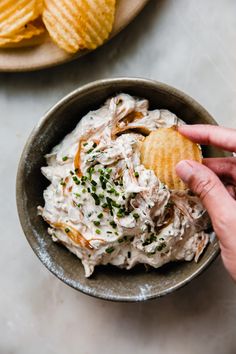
[107,282]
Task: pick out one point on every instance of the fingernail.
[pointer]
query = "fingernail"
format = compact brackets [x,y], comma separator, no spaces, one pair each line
[184,170]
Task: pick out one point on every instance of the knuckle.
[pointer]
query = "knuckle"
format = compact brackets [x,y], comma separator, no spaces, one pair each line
[203,187]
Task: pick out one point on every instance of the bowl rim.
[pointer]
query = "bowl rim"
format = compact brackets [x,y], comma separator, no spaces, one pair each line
[21,166]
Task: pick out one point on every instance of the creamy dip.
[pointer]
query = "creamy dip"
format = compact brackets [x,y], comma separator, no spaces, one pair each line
[105,206]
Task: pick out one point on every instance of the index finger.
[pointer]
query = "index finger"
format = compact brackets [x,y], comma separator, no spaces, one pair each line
[205,134]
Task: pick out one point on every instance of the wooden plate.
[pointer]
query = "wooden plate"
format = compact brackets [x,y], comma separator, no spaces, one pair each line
[48,54]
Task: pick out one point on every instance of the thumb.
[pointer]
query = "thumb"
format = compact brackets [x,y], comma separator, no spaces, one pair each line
[214,196]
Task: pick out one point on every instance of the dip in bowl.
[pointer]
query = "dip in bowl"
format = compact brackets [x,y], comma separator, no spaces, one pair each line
[107,282]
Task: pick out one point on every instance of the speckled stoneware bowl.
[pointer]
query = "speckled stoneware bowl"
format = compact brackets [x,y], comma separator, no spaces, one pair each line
[107,282]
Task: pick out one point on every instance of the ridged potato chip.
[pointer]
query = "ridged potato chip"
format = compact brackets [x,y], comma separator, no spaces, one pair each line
[14,15]
[21,38]
[79,24]
[163,149]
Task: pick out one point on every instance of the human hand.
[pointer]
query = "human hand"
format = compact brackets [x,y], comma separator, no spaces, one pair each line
[214,182]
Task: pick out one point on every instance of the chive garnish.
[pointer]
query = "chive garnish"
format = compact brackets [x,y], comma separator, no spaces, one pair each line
[96,198]
[65,158]
[109,250]
[113,224]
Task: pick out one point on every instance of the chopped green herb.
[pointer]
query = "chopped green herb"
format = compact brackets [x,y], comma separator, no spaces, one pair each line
[84,178]
[101,171]
[71,172]
[109,204]
[98,231]
[114,204]
[153,238]
[100,216]
[63,183]
[129,254]
[89,151]
[94,145]
[136,174]
[120,240]
[120,213]
[107,176]
[109,170]
[96,198]
[94,188]
[94,183]
[65,158]
[88,189]
[103,182]
[83,190]
[85,144]
[113,224]
[79,205]
[77,195]
[90,171]
[104,205]
[101,195]
[109,250]
[160,247]
[96,223]
[136,216]
[67,230]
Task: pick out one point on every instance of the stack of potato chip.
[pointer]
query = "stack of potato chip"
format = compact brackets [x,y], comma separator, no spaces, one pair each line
[72,24]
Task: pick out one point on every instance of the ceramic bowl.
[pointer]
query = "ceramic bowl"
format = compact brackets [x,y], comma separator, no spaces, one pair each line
[107,282]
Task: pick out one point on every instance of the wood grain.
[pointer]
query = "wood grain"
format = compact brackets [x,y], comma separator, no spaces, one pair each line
[48,54]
